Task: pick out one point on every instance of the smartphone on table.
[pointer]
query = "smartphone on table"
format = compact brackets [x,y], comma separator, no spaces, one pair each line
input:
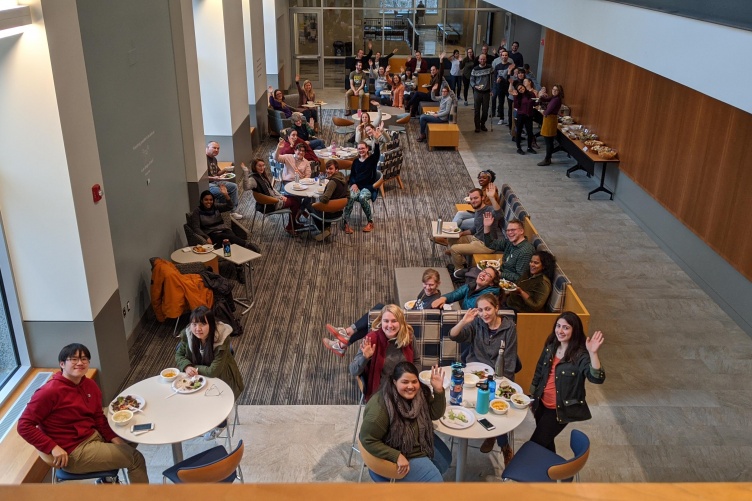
[485,423]
[142,428]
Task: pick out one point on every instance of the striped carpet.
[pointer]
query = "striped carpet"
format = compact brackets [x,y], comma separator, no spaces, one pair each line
[301,285]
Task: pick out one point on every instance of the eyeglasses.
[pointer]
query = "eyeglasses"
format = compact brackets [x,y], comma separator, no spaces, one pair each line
[213,391]
[76,360]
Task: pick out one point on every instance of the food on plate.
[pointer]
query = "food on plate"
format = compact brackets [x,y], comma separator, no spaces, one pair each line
[507,285]
[451,230]
[456,416]
[593,142]
[490,263]
[125,403]
[409,306]
[520,401]
[200,249]
[481,374]
[499,406]
[607,153]
[187,384]
[505,391]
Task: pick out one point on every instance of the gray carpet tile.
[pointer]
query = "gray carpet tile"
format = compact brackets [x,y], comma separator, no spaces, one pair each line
[301,284]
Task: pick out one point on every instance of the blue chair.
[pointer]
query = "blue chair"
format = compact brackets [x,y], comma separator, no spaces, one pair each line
[535,463]
[59,476]
[211,466]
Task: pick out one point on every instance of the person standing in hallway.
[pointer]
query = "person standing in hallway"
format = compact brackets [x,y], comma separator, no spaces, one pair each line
[468,63]
[549,128]
[480,81]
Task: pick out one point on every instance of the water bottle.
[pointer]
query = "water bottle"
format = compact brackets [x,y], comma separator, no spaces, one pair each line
[334,146]
[227,248]
[458,380]
[482,402]
[297,178]
[439,226]
[500,361]
[360,112]
[491,387]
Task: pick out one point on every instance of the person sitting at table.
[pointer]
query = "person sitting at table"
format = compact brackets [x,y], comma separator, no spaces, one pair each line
[336,188]
[568,359]
[470,241]
[397,425]
[358,82]
[389,343]
[305,132]
[291,140]
[362,176]
[487,282]
[417,64]
[446,101]
[260,182]
[379,74]
[293,164]
[437,77]
[307,95]
[410,80]
[465,220]
[534,286]
[206,221]
[64,419]
[205,349]
[376,135]
[277,102]
[398,91]
[484,330]
[213,173]
[346,336]
[365,119]
[515,247]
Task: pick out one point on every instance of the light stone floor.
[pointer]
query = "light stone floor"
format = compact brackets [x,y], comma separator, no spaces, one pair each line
[676,405]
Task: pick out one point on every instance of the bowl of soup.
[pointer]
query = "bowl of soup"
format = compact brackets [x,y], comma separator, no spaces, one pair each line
[122,418]
[169,375]
[499,406]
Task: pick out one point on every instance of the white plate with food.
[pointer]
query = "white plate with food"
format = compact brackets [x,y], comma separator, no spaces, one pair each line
[307,180]
[479,369]
[458,418]
[451,231]
[506,388]
[425,378]
[323,153]
[202,249]
[187,384]
[489,263]
[297,187]
[127,402]
[410,305]
[507,286]
[520,401]
[228,175]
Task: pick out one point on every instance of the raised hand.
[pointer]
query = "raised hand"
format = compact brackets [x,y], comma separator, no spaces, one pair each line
[297,78]
[367,348]
[370,45]
[394,51]
[437,379]
[488,220]
[470,315]
[594,342]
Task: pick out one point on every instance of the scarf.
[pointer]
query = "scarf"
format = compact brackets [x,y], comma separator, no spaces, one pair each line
[376,364]
[402,414]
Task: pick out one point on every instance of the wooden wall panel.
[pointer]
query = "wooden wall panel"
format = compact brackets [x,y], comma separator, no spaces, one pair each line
[688,151]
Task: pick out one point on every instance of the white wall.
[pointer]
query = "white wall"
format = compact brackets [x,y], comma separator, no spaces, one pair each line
[36,196]
[235,56]
[681,49]
[270,36]
[212,64]
[255,60]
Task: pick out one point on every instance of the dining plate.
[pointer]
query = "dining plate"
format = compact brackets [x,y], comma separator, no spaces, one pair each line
[323,153]
[300,187]
[489,263]
[452,419]
[410,305]
[183,384]
[507,286]
[467,199]
[451,231]
[202,249]
[425,378]
[120,403]
[307,180]
[475,367]
[500,383]
[228,175]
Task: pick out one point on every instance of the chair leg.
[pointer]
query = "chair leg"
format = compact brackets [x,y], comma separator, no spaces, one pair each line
[360,478]
[381,189]
[175,329]
[353,448]
[399,182]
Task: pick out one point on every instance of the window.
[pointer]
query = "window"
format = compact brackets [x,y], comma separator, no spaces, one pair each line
[9,361]
[13,351]
[403,6]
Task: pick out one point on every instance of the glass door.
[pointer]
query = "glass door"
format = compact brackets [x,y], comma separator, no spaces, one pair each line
[307,49]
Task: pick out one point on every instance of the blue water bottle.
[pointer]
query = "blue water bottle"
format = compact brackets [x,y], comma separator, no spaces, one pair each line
[491,387]
[458,380]
[482,401]
[226,247]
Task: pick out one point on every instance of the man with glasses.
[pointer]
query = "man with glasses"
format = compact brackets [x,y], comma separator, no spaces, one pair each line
[64,418]
[517,250]
[487,281]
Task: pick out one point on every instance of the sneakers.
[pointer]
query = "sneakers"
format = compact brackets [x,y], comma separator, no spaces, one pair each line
[501,122]
[321,236]
[459,274]
[488,445]
[334,346]
[348,230]
[338,332]
[508,454]
[236,215]
[213,434]
[465,103]
[369,227]
[544,162]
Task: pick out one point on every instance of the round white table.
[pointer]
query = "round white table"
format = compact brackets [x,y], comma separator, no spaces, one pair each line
[310,191]
[504,423]
[342,153]
[186,255]
[373,115]
[178,418]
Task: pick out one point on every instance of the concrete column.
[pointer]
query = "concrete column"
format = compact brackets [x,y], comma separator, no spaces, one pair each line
[220,49]
[255,62]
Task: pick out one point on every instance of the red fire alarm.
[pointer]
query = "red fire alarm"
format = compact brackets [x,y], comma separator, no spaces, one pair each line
[96,193]
[543,41]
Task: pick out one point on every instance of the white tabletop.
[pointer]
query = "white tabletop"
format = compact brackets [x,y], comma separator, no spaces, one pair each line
[239,255]
[313,104]
[186,255]
[311,190]
[446,225]
[177,418]
[374,115]
[504,423]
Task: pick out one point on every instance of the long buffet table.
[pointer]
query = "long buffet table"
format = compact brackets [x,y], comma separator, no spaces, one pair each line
[586,160]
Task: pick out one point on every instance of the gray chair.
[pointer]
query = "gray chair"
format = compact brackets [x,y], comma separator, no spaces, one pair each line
[264,201]
[277,119]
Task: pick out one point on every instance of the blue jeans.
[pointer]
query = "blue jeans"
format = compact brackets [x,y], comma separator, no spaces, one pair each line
[464,220]
[232,190]
[361,327]
[316,144]
[429,119]
[425,469]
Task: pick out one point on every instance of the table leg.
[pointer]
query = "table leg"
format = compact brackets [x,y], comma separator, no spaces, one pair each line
[248,289]
[602,187]
[576,168]
[461,460]
[177,452]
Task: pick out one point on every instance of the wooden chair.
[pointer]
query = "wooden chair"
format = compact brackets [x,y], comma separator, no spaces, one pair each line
[331,206]
[266,200]
[212,466]
[342,127]
[59,475]
[379,466]
[401,123]
[535,463]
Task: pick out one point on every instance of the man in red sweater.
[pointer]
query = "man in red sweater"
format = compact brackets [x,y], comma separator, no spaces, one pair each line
[64,418]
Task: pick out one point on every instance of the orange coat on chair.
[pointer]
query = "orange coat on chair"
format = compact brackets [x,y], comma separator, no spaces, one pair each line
[173,293]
